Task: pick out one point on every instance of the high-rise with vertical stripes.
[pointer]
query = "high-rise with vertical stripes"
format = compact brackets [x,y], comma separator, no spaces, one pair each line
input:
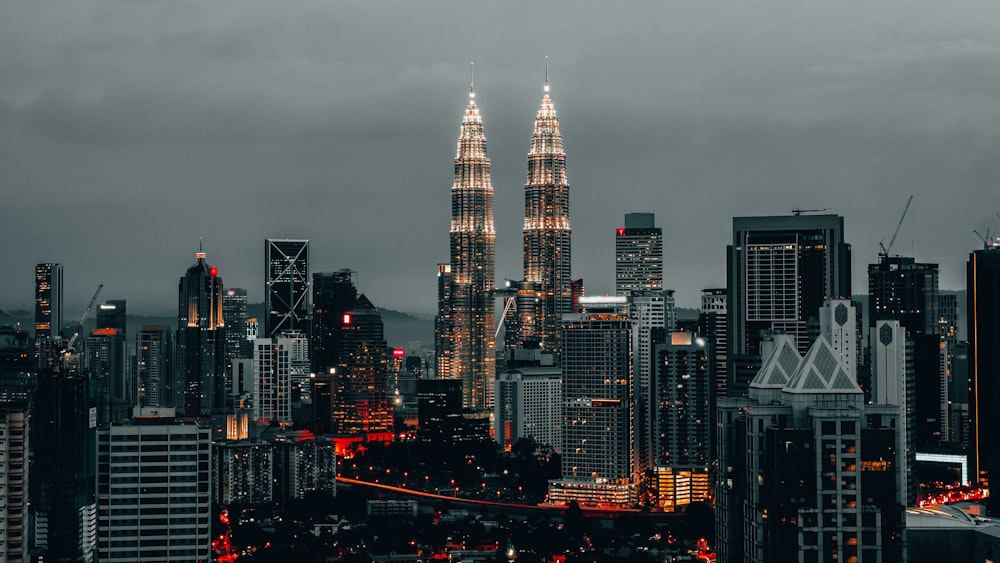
[468,339]
[546,226]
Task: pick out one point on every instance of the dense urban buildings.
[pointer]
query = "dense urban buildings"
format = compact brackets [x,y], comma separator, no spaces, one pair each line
[808,472]
[467,304]
[780,271]
[48,300]
[200,365]
[983,271]
[361,402]
[547,232]
[286,286]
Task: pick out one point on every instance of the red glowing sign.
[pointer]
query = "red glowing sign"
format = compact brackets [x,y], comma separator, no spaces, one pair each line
[347,318]
[398,353]
[620,231]
[213,272]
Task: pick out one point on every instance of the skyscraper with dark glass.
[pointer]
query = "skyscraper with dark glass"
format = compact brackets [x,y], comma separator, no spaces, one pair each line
[333,294]
[361,404]
[286,286]
[547,230]
[983,286]
[48,300]
[201,342]
[780,271]
[468,304]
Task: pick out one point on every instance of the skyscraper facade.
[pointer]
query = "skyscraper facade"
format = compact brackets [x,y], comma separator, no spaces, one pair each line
[272,384]
[712,323]
[14,427]
[153,365]
[780,271]
[234,316]
[154,510]
[983,294]
[682,420]
[638,255]
[200,344]
[469,300]
[286,285]
[48,300]
[334,293]
[361,402]
[547,230]
[599,466]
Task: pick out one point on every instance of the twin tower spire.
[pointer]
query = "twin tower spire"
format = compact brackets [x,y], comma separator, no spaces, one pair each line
[465,325]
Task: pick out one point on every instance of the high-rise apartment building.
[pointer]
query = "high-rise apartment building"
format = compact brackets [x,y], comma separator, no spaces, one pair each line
[638,255]
[983,294]
[48,300]
[468,304]
[14,475]
[200,370]
[443,328]
[153,491]
[286,286]
[333,294]
[599,466]
[682,420]
[243,472]
[153,365]
[547,232]
[529,403]
[272,383]
[647,310]
[808,472]
[780,271]
[712,323]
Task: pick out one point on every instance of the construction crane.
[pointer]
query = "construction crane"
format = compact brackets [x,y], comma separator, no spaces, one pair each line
[83,319]
[987,240]
[801,211]
[886,249]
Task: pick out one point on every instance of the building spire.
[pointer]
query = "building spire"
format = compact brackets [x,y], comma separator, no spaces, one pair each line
[546,74]
[472,80]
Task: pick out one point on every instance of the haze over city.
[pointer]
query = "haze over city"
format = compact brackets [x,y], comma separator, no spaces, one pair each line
[129,130]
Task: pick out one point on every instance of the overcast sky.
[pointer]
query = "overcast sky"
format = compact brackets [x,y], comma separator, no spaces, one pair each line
[130,128]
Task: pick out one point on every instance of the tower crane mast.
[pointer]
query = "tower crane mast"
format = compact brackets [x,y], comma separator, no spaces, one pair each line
[886,249]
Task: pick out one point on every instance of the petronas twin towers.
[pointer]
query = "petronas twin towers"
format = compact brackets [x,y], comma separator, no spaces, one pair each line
[465,325]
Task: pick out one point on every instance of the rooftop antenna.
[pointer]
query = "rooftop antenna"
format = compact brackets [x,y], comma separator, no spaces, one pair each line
[546,73]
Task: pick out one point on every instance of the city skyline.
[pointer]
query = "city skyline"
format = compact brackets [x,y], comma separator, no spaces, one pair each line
[694,113]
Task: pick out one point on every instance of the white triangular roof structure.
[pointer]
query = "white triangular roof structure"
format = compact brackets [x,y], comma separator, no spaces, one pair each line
[821,372]
[780,364]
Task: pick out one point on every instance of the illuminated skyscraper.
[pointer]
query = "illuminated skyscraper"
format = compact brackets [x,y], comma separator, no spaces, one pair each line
[333,294]
[361,405]
[201,352]
[48,300]
[546,225]
[469,334]
[638,255]
[286,286]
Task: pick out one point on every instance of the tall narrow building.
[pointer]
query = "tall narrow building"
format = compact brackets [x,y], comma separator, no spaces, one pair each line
[469,335]
[983,271]
[201,346]
[546,225]
[286,286]
[48,300]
